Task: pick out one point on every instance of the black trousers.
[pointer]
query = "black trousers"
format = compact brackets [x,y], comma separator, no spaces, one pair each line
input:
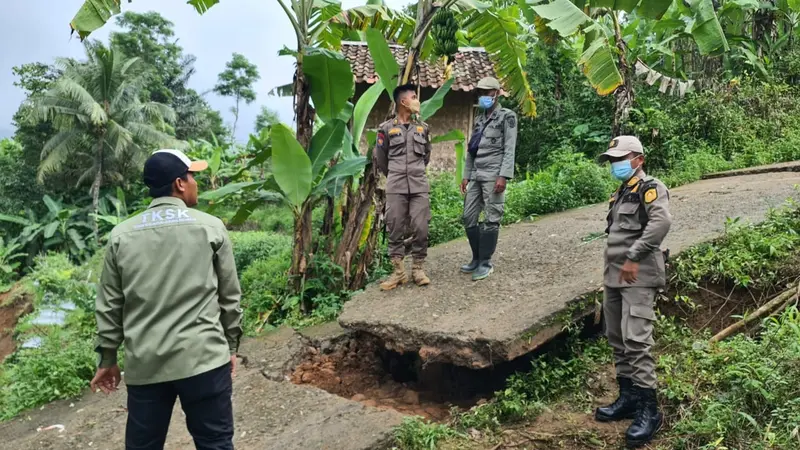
[205,399]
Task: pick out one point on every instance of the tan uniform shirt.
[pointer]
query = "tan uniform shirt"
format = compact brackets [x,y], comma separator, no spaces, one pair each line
[495,157]
[638,220]
[169,291]
[401,153]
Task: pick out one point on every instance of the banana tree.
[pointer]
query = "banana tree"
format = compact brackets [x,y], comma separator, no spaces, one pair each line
[607,58]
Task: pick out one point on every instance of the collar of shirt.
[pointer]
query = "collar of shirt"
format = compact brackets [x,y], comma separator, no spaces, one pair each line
[174,201]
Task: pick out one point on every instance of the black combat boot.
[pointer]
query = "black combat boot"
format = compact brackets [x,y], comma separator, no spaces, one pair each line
[486,249]
[474,236]
[622,408]
[648,419]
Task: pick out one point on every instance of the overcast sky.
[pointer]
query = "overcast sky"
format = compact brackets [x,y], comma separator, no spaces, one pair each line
[38,31]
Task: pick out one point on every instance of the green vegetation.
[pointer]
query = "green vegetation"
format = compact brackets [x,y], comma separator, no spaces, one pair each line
[64,362]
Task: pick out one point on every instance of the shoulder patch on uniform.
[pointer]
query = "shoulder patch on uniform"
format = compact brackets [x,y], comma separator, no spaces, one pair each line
[381,137]
[511,120]
[650,195]
[394,131]
[420,129]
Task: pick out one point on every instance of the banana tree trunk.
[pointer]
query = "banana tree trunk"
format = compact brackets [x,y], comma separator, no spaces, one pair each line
[624,95]
[302,226]
[368,198]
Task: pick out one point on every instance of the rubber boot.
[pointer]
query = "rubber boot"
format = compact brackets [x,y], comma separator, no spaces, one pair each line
[624,407]
[418,273]
[488,243]
[474,237]
[648,419]
[397,277]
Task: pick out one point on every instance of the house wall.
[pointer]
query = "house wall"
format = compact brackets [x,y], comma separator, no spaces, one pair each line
[456,113]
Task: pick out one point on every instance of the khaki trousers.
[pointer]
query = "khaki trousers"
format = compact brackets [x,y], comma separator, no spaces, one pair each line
[408,214]
[629,318]
[482,197]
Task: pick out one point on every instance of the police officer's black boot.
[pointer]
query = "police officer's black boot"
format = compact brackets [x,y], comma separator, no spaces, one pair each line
[623,408]
[474,237]
[486,247]
[648,419]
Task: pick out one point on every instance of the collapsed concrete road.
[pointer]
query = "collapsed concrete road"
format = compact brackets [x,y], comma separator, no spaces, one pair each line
[543,273]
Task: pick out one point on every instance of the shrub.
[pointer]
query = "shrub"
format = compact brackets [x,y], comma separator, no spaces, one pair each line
[447,206]
[61,367]
[264,284]
[250,246]
[740,393]
[746,255]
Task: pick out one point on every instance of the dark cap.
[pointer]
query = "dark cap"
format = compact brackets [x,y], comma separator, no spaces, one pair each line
[164,166]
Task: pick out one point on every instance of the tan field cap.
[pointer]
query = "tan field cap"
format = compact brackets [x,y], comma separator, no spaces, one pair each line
[621,146]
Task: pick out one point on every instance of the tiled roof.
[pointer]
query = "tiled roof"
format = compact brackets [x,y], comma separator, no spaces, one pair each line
[471,64]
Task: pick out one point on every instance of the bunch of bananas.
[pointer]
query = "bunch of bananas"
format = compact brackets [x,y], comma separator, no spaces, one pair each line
[444,31]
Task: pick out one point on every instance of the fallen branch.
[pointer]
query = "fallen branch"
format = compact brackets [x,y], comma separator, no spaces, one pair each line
[782,299]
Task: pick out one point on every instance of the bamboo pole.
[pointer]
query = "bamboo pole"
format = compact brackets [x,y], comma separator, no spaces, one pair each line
[781,299]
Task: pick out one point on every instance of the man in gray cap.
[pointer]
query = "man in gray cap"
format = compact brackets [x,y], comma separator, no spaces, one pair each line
[638,220]
[489,166]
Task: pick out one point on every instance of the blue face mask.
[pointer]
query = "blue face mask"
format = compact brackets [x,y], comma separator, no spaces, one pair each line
[622,170]
[485,102]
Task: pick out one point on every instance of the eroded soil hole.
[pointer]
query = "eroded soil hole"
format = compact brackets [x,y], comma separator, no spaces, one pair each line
[360,368]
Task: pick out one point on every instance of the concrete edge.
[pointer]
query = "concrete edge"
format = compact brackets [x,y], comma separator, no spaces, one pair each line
[783,167]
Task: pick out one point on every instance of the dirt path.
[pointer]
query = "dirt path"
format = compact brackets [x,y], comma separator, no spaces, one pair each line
[541,267]
[269,414]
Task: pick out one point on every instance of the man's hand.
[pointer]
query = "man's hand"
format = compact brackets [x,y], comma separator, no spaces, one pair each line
[464,184]
[233,365]
[106,379]
[500,185]
[630,272]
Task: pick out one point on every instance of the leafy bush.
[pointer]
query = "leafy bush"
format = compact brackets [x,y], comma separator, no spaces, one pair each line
[60,369]
[746,255]
[570,181]
[264,284]
[447,207]
[740,393]
[62,366]
[417,434]
[250,246]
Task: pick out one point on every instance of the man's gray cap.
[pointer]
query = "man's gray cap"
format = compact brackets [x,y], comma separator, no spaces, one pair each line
[489,84]
[621,146]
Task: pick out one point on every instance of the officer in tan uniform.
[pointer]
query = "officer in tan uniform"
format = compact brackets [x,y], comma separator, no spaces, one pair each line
[489,166]
[638,221]
[402,153]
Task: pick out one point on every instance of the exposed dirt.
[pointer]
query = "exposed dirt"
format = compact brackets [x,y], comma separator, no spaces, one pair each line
[540,268]
[13,305]
[361,370]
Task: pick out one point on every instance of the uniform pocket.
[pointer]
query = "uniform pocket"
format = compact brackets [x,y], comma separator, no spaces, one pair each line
[492,132]
[640,324]
[396,144]
[420,144]
[629,216]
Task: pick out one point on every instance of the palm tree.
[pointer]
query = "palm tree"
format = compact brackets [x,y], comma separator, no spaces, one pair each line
[95,108]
